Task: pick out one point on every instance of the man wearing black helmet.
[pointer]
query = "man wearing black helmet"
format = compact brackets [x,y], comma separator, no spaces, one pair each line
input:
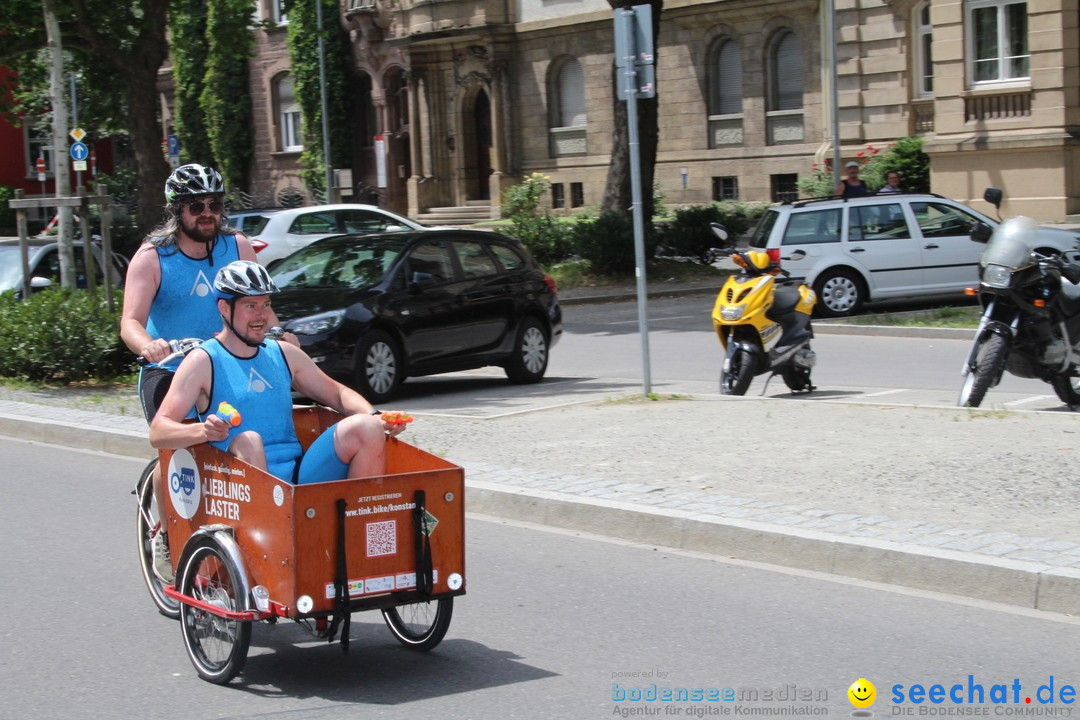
[253,373]
[168,293]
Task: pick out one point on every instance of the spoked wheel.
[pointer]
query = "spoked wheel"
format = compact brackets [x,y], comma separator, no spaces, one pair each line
[420,625]
[217,646]
[737,373]
[147,525]
[796,378]
[1067,388]
[990,359]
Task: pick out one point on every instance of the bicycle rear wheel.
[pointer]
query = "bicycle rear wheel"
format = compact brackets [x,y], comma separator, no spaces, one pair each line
[147,525]
[420,625]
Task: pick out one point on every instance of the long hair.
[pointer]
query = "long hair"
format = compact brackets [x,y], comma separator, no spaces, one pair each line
[164,234]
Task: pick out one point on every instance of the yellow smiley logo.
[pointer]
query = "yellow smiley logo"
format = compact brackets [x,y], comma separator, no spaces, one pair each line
[862,693]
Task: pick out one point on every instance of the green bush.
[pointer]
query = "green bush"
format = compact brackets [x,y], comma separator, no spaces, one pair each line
[543,236]
[689,233]
[607,242]
[61,335]
[905,156]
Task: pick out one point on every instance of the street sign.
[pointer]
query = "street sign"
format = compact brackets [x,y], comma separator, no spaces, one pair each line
[174,145]
[633,36]
[40,165]
[77,134]
[79,151]
[79,166]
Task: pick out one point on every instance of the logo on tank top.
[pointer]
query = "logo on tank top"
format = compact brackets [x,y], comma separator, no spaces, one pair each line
[202,286]
[256,382]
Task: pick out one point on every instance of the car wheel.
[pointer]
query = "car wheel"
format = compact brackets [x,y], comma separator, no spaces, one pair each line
[379,368]
[529,361]
[840,293]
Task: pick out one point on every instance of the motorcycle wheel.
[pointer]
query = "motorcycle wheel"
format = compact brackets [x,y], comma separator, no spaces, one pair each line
[990,359]
[1067,388]
[737,373]
[796,378]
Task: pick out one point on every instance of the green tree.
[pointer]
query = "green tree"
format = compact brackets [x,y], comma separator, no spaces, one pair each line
[116,50]
[187,31]
[225,97]
[304,55]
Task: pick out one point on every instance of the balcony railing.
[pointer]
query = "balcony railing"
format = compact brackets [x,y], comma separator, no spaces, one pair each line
[922,117]
[1005,106]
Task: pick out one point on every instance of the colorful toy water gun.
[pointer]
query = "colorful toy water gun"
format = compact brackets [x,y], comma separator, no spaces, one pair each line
[396,417]
[228,413]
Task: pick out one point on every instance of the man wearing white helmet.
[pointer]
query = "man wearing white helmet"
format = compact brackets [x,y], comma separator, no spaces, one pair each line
[254,374]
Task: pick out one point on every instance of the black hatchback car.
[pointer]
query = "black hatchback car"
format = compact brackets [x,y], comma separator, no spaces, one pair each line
[372,310]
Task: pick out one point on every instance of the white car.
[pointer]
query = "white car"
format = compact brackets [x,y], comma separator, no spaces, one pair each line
[882,246]
[277,233]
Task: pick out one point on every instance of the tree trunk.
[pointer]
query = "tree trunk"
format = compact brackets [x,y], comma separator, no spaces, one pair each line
[150,167]
[618,197]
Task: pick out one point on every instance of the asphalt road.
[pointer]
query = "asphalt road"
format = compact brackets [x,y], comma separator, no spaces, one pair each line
[551,623]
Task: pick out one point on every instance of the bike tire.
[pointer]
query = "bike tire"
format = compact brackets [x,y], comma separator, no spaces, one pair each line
[737,373]
[147,522]
[216,646]
[990,357]
[420,625]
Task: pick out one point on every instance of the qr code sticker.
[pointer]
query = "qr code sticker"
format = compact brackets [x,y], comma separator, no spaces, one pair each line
[382,538]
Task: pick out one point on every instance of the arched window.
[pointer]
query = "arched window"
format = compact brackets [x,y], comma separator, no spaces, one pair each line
[786,71]
[570,85]
[290,125]
[725,94]
[567,97]
[924,62]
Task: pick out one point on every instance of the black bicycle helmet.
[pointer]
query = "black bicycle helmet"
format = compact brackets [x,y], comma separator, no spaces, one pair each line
[243,278]
[191,180]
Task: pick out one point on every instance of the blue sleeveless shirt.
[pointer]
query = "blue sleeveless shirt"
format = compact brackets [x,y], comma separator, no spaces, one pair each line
[260,389]
[184,305]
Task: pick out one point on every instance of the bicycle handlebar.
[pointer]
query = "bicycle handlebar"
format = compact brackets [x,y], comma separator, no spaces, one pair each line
[182,347]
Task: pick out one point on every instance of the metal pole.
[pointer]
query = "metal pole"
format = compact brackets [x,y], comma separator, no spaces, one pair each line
[630,76]
[75,122]
[322,94]
[830,43]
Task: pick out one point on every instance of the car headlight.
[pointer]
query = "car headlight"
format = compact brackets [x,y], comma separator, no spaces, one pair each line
[732,312]
[997,276]
[317,324]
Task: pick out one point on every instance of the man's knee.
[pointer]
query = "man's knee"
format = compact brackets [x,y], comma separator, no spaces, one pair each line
[246,444]
[358,432]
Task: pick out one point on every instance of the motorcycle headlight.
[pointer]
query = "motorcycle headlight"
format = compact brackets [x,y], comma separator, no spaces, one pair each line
[997,276]
[732,312]
[317,324]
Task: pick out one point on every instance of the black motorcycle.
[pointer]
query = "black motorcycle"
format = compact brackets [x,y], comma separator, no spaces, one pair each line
[1030,324]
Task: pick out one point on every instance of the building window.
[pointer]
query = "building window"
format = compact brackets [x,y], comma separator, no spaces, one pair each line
[288,114]
[997,44]
[784,118]
[577,194]
[725,94]
[785,187]
[278,12]
[725,188]
[924,62]
[558,195]
[567,97]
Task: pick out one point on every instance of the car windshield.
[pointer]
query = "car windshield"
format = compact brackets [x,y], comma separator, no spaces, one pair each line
[10,273]
[338,262]
[249,224]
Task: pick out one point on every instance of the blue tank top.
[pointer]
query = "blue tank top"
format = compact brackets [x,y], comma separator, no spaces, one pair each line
[184,305]
[260,388]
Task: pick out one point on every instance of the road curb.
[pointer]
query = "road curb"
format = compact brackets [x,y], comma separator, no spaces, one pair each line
[1016,583]
[1010,582]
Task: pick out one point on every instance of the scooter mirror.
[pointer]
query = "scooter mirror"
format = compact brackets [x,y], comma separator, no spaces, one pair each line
[719,231]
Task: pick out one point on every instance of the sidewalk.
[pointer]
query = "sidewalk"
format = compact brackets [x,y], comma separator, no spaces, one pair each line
[936,499]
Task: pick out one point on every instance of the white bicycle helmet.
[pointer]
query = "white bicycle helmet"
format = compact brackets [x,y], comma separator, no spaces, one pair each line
[191,180]
[243,278]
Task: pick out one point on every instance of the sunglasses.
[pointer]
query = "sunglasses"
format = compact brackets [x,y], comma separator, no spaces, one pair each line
[196,208]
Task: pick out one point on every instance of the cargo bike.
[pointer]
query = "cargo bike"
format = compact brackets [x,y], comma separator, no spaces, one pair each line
[248,546]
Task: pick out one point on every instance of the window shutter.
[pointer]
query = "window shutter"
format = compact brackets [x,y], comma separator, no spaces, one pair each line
[727,80]
[571,94]
[788,73]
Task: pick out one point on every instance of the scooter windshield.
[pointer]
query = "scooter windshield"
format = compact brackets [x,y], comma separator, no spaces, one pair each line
[1011,244]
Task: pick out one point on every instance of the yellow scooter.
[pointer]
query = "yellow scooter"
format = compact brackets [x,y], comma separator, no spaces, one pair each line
[762,322]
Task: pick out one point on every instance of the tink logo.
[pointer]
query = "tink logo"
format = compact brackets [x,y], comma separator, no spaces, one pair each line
[256,382]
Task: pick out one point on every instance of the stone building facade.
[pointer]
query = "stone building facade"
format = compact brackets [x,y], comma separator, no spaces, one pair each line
[458,99]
